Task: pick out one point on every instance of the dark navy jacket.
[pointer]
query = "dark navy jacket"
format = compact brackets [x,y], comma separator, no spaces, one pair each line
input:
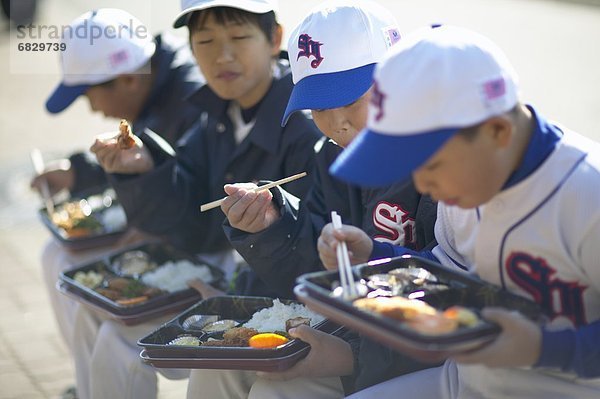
[166,200]
[166,111]
[288,248]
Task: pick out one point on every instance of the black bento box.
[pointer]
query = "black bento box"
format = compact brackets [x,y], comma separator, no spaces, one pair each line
[159,353]
[100,201]
[315,290]
[159,305]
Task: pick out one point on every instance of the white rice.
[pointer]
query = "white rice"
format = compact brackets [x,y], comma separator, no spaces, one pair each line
[274,318]
[114,219]
[173,276]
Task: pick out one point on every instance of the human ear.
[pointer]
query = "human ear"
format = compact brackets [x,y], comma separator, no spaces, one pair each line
[277,37]
[501,130]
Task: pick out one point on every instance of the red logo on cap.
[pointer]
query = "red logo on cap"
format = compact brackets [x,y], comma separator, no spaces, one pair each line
[494,88]
[308,47]
[118,58]
[377,99]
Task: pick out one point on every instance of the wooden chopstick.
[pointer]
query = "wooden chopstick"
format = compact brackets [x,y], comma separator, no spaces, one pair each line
[349,290]
[217,203]
[38,165]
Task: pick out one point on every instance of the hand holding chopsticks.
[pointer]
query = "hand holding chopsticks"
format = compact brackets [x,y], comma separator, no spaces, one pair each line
[349,290]
[38,166]
[217,203]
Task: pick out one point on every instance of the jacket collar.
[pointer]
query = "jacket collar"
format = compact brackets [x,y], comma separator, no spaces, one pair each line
[269,114]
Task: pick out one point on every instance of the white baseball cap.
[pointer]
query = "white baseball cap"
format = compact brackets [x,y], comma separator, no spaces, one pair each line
[432,84]
[333,53]
[100,45]
[253,6]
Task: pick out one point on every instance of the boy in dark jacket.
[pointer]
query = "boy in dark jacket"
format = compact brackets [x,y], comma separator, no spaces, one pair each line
[238,138]
[133,76]
[278,240]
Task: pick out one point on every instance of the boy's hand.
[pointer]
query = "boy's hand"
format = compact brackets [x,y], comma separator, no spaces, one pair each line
[519,344]
[247,210]
[359,245]
[329,356]
[58,174]
[116,160]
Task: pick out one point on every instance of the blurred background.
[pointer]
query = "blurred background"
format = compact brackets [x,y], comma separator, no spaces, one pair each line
[553,45]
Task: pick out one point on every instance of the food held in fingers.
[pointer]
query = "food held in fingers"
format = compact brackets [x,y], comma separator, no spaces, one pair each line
[125,139]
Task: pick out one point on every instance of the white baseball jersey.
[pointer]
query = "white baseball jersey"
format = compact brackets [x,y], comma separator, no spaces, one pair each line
[540,239]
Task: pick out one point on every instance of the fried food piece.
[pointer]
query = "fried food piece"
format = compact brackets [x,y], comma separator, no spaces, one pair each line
[125,140]
[74,221]
[235,337]
[109,293]
[396,307]
[118,283]
[295,322]
[239,336]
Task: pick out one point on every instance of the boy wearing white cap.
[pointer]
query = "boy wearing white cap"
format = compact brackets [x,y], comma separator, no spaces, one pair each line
[278,240]
[518,206]
[112,59]
[238,138]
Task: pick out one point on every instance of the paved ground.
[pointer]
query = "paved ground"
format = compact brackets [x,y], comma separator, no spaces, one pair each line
[553,45]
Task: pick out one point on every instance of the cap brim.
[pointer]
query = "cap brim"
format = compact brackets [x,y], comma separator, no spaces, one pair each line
[250,6]
[329,90]
[375,159]
[63,96]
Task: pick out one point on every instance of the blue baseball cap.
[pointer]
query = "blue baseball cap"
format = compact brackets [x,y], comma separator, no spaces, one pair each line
[333,53]
[429,86]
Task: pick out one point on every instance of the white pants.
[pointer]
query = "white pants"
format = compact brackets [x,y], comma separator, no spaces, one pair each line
[56,259]
[106,353]
[107,359]
[452,381]
[237,384]
[433,383]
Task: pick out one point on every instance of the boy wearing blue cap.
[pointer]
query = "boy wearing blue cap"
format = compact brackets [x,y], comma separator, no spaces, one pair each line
[277,238]
[124,74]
[518,206]
[239,138]
[336,88]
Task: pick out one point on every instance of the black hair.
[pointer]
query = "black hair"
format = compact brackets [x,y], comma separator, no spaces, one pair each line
[469,133]
[267,22]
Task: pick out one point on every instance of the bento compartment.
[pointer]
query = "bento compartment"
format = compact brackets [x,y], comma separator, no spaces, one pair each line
[164,267]
[239,310]
[90,220]
[130,294]
[97,282]
[413,302]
